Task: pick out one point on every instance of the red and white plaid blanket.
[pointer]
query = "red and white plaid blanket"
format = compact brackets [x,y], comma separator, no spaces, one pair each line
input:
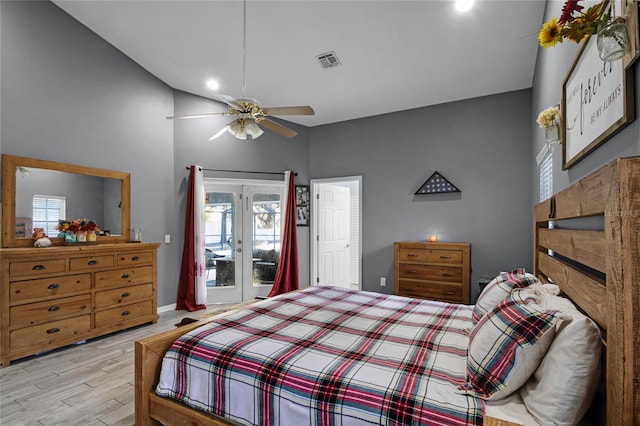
[328,356]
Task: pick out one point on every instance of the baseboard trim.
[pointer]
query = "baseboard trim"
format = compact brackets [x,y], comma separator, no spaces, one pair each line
[166,308]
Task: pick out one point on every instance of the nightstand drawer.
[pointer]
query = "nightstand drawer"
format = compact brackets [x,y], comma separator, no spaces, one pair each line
[443,292]
[433,273]
[453,257]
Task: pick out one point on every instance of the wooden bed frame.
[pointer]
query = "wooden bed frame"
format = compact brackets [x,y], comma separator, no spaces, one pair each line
[598,269]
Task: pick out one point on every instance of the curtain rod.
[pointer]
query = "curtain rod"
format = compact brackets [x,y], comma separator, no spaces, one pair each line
[241,171]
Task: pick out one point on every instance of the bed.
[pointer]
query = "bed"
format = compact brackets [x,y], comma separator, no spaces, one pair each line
[596,268]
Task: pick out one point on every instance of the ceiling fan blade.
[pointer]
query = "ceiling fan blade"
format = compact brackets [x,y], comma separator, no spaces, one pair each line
[278,128]
[292,110]
[228,100]
[220,133]
[210,114]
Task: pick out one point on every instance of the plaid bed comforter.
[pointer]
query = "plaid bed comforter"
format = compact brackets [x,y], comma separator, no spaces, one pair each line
[328,356]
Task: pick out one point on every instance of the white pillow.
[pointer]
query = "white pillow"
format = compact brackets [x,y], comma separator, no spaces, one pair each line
[561,389]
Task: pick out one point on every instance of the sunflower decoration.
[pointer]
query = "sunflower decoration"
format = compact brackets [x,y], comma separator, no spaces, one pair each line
[574,24]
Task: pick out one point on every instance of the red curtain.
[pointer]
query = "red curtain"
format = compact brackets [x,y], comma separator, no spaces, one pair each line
[187,284]
[287,275]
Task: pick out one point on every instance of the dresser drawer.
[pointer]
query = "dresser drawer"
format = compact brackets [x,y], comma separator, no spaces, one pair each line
[41,312]
[37,267]
[124,277]
[443,292]
[134,258]
[90,262]
[112,317]
[21,291]
[452,257]
[433,273]
[107,298]
[49,333]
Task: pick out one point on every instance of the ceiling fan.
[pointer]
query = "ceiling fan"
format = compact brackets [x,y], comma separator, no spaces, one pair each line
[248,111]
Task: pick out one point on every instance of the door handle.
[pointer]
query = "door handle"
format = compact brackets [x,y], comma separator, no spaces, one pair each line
[239,250]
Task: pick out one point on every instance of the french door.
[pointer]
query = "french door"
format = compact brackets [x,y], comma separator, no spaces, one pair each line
[242,227]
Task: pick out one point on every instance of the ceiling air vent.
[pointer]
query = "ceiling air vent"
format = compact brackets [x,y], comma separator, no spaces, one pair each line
[328,60]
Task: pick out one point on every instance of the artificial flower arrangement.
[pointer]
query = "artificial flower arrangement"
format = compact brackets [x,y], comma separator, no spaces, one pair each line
[574,24]
[75,225]
[549,117]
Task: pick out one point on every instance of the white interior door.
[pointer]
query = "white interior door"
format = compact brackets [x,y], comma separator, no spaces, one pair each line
[243,227]
[334,248]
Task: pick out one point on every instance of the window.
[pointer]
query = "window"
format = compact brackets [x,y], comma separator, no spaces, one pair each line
[47,211]
[545,164]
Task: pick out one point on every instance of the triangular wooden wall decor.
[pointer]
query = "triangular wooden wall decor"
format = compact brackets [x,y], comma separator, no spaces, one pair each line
[436,184]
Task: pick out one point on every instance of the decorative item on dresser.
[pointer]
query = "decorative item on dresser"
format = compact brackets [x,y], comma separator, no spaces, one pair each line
[432,270]
[57,296]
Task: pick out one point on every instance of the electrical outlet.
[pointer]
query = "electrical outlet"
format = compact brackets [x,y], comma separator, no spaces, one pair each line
[167,239]
[383,281]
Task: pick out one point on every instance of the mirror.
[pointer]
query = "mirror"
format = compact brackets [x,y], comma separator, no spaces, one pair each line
[96,194]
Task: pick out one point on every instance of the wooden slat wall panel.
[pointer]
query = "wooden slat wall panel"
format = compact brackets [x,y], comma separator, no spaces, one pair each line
[585,247]
[585,291]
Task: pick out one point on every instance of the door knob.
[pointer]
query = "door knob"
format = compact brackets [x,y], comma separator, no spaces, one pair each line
[239,250]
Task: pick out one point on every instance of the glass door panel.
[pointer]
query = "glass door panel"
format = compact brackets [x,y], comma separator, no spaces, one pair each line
[221,244]
[264,226]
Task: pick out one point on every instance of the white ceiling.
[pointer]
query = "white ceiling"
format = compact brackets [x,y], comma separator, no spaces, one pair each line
[395,55]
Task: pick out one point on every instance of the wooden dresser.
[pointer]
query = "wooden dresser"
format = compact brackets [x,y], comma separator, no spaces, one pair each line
[55,296]
[438,271]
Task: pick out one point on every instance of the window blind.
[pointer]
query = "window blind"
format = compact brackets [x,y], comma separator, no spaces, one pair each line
[546,176]
[47,211]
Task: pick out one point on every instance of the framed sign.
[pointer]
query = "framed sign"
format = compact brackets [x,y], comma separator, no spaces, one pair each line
[597,102]
[302,205]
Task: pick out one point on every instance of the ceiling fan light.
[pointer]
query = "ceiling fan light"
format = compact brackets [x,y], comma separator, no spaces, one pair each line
[253,130]
[237,129]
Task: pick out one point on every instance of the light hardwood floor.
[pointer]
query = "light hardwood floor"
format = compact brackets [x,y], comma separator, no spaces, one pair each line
[88,384]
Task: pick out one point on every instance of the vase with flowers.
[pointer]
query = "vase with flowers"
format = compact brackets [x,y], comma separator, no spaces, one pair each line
[549,120]
[576,24]
[77,230]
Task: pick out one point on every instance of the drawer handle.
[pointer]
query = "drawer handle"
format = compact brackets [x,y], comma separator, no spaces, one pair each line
[412,271]
[125,276]
[53,286]
[445,257]
[135,258]
[53,308]
[125,313]
[92,262]
[412,255]
[53,330]
[448,275]
[39,268]
[448,293]
[126,294]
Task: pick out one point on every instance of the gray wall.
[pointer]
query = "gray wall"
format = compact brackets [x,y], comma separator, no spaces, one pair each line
[481,145]
[68,96]
[552,67]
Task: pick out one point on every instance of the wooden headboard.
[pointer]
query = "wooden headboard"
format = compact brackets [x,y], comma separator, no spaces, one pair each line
[596,263]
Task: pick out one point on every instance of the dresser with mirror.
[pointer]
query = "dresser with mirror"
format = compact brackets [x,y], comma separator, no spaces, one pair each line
[66,293]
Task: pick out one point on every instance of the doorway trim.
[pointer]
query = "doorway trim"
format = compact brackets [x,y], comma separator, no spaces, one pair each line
[315,206]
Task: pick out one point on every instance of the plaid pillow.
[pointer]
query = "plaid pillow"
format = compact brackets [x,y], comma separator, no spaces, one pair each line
[507,345]
[499,288]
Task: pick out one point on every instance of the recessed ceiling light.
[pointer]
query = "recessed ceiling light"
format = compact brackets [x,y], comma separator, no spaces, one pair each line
[464,5]
[213,84]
